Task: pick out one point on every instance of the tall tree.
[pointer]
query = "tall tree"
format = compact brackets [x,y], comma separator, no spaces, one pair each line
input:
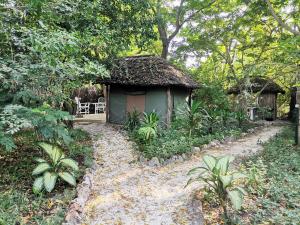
[49,48]
[170,18]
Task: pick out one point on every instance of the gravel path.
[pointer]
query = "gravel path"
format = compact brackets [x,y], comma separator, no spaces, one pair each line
[126,192]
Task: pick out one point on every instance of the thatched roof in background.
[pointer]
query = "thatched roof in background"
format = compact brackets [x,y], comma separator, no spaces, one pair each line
[147,71]
[257,84]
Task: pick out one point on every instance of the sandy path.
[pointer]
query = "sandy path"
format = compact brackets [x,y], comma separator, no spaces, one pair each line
[126,192]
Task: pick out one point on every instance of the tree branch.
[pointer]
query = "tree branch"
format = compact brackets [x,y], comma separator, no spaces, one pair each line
[280,21]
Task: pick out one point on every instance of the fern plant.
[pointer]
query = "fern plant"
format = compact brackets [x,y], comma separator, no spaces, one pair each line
[57,167]
[149,127]
[221,181]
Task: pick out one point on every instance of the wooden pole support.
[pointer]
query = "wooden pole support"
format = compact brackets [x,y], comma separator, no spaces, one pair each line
[169,107]
[297,126]
[107,105]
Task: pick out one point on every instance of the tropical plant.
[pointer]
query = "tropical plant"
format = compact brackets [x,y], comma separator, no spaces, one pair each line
[133,120]
[221,181]
[49,171]
[149,127]
[240,117]
[190,116]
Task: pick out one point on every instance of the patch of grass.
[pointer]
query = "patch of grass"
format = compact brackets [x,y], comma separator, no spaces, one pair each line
[18,204]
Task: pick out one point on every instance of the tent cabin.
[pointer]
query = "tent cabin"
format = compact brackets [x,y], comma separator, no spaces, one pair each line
[145,84]
[268,91]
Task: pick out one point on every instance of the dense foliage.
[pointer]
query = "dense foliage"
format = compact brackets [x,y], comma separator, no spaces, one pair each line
[18,203]
[275,196]
[271,185]
[192,126]
[49,49]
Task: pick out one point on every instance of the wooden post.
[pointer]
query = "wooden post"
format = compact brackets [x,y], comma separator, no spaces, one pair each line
[297,126]
[190,98]
[107,102]
[297,117]
[169,107]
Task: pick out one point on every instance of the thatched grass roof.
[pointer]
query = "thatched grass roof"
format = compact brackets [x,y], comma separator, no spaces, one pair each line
[258,84]
[147,71]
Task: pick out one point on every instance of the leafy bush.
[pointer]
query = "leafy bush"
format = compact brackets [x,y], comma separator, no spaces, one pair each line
[148,130]
[18,203]
[221,181]
[50,171]
[133,120]
[170,142]
[241,117]
[47,122]
[275,189]
[190,117]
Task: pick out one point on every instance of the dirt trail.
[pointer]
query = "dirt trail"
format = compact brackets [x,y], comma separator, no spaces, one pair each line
[126,192]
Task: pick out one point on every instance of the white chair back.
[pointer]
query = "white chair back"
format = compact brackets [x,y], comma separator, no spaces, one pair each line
[77,100]
[101,99]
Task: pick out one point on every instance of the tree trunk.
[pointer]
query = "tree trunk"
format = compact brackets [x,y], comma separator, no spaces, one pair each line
[165,50]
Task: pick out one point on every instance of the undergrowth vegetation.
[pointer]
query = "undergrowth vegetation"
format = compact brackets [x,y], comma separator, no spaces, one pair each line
[276,196]
[192,126]
[18,203]
[272,186]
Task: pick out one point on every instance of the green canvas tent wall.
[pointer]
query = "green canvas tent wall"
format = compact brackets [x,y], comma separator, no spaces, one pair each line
[145,83]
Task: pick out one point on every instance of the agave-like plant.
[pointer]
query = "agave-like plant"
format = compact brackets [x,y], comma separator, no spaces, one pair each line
[149,127]
[49,171]
[220,180]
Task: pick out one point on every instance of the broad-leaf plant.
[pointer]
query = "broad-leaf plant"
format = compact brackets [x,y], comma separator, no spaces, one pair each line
[220,180]
[48,171]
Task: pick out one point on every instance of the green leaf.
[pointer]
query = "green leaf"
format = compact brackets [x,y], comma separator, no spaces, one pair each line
[194,170]
[41,168]
[70,162]
[38,185]
[191,180]
[236,198]
[49,181]
[210,161]
[54,152]
[241,190]
[223,164]
[69,178]
[237,176]
[226,180]
[40,160]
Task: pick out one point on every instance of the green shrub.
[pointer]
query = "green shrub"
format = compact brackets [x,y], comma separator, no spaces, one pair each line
[59,166]
[149,127]
[221,181]
[133,120]
[169,143]
[190,117]
[276,181]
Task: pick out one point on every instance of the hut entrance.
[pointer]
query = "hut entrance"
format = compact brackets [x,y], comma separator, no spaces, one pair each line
[135,102]
[90,104]
[268,102]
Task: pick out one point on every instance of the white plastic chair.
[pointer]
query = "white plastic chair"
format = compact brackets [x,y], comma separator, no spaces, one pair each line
[82,108]
[100,105]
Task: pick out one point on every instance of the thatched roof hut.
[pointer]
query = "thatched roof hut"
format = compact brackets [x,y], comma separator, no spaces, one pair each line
[257,84]
[148,71]
[267,89]
[146,83]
